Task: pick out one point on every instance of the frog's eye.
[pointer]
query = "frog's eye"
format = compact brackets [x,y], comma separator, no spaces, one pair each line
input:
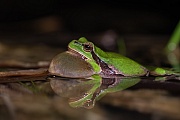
[88,47]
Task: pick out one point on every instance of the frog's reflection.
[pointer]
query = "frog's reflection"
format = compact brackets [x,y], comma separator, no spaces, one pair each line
[85,92]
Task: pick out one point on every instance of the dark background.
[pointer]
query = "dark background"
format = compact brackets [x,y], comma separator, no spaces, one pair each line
[145,26]
[126,16]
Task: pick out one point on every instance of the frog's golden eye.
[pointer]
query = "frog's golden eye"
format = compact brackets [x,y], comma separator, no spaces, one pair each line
[88,47]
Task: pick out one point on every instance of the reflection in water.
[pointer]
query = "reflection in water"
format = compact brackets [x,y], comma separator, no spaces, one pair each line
[85,92]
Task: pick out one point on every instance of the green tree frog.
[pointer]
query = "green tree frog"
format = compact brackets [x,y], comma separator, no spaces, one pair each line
[84,59]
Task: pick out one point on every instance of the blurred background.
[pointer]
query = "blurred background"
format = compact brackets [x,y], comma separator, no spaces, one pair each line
[141,24]
[19,18]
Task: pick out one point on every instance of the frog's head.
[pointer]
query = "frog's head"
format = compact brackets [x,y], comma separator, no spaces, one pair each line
[81,47]
[87,51]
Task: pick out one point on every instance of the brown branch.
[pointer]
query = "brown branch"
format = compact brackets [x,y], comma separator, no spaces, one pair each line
[23,75]
[31,72]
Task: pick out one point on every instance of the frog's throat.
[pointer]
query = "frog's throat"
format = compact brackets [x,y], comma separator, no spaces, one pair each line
[106,70]
[76,53]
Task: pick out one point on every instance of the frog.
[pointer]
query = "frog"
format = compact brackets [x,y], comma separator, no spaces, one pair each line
[83,59]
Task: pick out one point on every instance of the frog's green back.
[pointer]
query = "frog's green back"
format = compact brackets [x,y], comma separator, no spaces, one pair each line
[127,66]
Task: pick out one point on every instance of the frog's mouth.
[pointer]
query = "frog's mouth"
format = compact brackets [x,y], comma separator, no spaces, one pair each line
[74,52]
